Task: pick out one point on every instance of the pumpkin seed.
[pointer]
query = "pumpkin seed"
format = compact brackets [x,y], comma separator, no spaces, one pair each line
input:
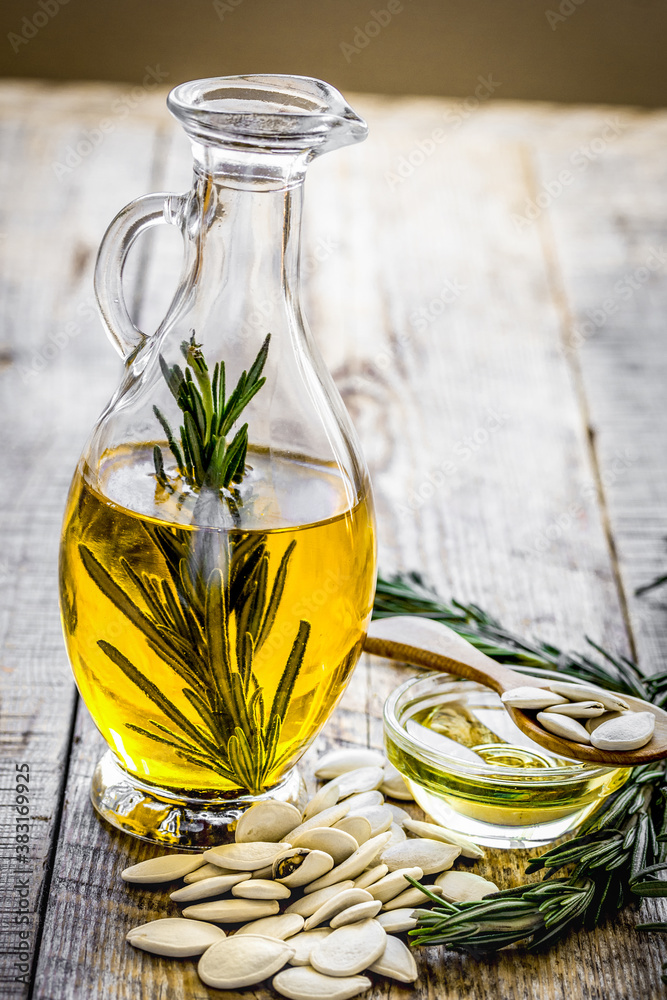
[379,817]
[327,797]
[589,692]
[394,784]
[353,914]
[594,724]
[338,762]
[411,897]
[399,814]
[354,865]
[396,962]
[350,949]
[334,905]
[304,942]
[393,883]
[207,871]
[433,831]
[578,709]
[263,872]
[363,800]
[560,725]
[357,827]
[464,887]
[395,921]
[430,855]
[166,868]
[304,983]
[299,867]
[232,911]
[261,888]
[526,696]
[338,844]
[282,926]
[362,779]
[397,835]
[247,856]
[328,817]
[175,937]
[307,905]
[631,731]
[370,876]
[208,887]
[267,821]
[237,962]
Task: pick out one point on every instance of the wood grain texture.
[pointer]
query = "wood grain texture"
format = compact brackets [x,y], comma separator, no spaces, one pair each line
[446,326]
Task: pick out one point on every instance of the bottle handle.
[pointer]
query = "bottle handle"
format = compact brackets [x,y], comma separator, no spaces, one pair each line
[133,220]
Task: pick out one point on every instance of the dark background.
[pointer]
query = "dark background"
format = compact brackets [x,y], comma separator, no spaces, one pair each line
[556,50]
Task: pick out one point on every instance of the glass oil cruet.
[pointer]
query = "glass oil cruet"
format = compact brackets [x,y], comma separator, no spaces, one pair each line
[217,564]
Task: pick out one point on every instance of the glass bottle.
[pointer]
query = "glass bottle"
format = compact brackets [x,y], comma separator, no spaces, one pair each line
[218,555]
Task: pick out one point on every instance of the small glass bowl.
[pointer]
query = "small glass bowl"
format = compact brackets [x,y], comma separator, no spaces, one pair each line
[494,802]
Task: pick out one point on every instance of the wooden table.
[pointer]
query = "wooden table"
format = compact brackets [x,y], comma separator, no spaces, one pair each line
[488,285]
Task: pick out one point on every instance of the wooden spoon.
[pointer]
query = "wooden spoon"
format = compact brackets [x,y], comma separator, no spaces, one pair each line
[428,643]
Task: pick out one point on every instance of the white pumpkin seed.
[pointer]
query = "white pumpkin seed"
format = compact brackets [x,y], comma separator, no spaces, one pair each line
[304,942]
[166,868]
[464,887]
[355,864]
[393,883]
[263,872]
[594,724]
[430,855]
[308,904]
[396,962]
[207,871]
[379,817]
[399,814]
[328,817]
[237,962]
[433,831]
[370,876]
[175,937]
[395,921]
[362,779]
[232,911]
[397,835]
[411,897]
[267,821]
[394,784]
[357,827]
[336,843]
[363,800]
[300,866]
[282,926]
[208,887]
[560,725]
[526,696]
[261,888]
[578,709]
[247,856]
[353,914]
[327,797]
[630,732]
[304,983]
[349,949]
[329,909]
[589,692]
[338,762]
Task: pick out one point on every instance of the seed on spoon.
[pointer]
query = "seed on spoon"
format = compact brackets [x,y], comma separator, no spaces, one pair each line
[260,888]
[283,925]
[432,831]
[232,911]
[395,921]
[396,962]
[247,856]
[394,883]
[166,868]
[338,762]
[593,724]
[531,697]
[304,942]
[267,821]
[464,887]
[370,876]
[578,709]
[630,732]
[299,866]
[237,962]
[349,949]
[336,843]
[353,914]
[208,887]
[561,725]
[589,692]
[335,905]
[430,855]
[394,784]
[304,983]
[357,827]
[175,937]
[307,905]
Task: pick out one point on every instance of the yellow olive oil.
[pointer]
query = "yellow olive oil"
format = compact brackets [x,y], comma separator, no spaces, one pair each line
[210,656]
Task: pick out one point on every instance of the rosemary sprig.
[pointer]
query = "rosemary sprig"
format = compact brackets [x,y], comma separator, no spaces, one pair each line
[204,457]
[619,851]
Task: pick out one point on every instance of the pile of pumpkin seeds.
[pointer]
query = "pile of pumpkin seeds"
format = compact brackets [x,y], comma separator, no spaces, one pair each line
[312,898]
[586,714]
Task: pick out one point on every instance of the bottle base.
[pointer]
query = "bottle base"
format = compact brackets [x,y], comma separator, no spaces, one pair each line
[162,816]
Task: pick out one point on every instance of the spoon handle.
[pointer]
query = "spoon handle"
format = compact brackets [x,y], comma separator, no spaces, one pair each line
[428,643]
